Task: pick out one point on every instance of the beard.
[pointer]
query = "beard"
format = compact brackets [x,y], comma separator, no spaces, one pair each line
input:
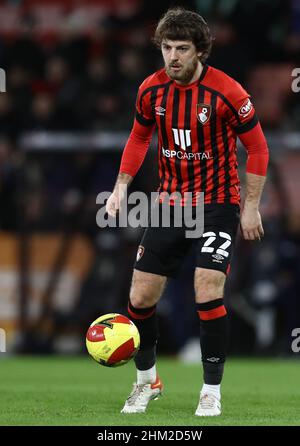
[186,73]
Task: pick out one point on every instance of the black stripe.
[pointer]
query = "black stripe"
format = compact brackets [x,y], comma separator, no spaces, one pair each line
[153,100]
[227,162]
[165,141]
[151,88]
[214,145]
[242,128]
[187,126]
[143,121]
[160,163]
[200,134]
[175,113]
[210,305]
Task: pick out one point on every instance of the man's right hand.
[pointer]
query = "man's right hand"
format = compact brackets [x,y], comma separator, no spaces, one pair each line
[113,204]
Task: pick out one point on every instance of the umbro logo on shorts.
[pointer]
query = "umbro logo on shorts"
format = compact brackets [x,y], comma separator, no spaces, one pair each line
[218,257]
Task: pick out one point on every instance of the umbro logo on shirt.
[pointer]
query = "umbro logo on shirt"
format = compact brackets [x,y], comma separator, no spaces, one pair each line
[160,110]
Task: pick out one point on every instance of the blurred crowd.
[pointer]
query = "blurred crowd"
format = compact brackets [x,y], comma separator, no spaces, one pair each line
[75,72]
[75,66]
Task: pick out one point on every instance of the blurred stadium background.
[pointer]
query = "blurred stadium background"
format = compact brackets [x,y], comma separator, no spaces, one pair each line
[72,72]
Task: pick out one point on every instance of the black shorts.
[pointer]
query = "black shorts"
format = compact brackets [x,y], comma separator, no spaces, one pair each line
[162,250]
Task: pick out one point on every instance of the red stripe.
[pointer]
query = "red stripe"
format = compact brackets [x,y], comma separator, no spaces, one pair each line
[221,157]
[181,125]
[195,146]
[215,313]
[208,147]
[140,316]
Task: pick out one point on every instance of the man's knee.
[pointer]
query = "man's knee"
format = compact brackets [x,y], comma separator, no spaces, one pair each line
[209,285]
[139,300]
[146,289]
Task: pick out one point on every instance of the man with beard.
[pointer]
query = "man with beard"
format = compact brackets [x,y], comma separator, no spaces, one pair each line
[196,109]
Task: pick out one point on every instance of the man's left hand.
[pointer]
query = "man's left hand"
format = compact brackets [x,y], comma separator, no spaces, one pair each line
[251,225]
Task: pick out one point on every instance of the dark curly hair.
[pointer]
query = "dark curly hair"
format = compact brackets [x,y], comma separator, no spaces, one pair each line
[181,24]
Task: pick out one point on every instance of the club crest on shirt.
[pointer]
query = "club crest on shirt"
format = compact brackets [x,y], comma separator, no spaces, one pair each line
[140,253]
[203,113]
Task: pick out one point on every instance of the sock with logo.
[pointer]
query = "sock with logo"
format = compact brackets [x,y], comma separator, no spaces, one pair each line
[213,339]
[146,321]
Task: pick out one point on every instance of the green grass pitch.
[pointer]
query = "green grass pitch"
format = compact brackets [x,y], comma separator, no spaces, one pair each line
[76,391]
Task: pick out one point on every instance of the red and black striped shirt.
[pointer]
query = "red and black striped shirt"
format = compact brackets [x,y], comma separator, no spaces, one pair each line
[198,125]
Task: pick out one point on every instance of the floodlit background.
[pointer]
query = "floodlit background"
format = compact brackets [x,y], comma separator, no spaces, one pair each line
[72,72]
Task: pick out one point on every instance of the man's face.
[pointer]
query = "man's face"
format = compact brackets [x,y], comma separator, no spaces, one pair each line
[181,59]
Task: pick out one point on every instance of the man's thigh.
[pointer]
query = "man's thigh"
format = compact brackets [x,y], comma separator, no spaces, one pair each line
[162,251]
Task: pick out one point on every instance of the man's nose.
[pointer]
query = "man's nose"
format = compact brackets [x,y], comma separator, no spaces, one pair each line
[174,54]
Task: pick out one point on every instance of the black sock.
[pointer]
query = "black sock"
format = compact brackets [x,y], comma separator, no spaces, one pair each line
[213,339]
[146,321]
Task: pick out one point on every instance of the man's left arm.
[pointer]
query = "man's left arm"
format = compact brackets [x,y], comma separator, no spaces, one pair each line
[256,170]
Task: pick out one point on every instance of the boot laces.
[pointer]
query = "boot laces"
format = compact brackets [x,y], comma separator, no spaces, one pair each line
[136,393]
[207,401]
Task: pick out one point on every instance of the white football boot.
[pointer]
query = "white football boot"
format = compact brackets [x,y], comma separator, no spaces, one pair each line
[209,406]
[140,396]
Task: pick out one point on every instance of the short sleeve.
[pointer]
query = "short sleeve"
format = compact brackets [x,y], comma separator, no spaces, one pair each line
[240,111]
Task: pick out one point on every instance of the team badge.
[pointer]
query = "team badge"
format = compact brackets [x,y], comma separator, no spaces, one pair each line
[203,113]
[140,253]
